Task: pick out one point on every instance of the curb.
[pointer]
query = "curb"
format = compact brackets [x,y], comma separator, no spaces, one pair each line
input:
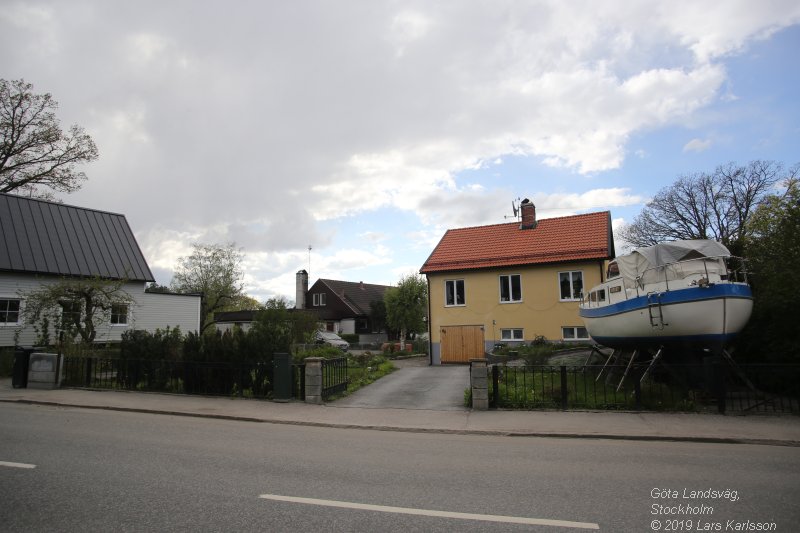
[493,433]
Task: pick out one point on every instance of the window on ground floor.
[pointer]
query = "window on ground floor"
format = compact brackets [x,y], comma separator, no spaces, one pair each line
[574,333]
[119,315]
[70,313]
[511,334]
[9,311]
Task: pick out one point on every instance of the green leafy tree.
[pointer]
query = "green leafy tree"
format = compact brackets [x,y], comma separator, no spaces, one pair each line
[215,272]
[773,252]
[706,206]
[406,306]
[36,156]
[76,306]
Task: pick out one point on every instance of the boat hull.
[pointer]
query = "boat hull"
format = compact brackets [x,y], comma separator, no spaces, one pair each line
[702,317]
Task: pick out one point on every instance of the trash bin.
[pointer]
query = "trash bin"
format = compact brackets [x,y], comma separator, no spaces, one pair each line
[19,376]
[282,387]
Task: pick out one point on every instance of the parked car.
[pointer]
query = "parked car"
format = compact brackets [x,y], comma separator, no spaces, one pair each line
[332,339]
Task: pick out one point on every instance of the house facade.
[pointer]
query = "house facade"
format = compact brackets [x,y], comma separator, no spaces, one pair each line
[513,283]
[44,242]
[342,307]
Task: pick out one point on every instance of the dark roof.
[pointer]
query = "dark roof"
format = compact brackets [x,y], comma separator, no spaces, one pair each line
[552,240]
[43,237]
[356,295]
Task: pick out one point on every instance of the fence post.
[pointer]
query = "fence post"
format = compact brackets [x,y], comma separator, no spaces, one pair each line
[719,386]
[88,376]
[314,380]
[563,387]
[495,386]
[479,381]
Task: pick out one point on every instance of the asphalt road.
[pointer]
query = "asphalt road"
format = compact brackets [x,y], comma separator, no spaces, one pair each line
[81,470]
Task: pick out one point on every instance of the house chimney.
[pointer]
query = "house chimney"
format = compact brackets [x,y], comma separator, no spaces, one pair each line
[528,214]
[301,289]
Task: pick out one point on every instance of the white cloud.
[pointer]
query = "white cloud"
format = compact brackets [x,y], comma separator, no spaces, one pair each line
[264,124]
[697,145]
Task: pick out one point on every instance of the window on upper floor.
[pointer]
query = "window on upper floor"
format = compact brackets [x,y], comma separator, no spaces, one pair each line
[510,288]
[319,299]
[571,285]
[454,292]
[119,315]
[9,311]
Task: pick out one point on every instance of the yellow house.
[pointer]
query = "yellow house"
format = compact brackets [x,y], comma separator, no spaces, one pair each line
[511,283]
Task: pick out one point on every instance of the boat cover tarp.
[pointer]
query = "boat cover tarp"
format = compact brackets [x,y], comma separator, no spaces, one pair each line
[649,262]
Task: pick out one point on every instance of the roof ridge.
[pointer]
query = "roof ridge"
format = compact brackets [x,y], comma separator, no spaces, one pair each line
[518,222]
[62,204]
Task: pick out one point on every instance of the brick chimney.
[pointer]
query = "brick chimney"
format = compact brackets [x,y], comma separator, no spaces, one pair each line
[528,211]
[301,289]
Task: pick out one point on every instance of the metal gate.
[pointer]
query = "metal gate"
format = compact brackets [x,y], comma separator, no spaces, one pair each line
[459,344]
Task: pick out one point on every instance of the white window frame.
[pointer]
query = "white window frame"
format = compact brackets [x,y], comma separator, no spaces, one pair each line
[512,334]
[575,330]
[4,309]
[455,283]
[506,279]
[571,274]
[319,299]
[115,312]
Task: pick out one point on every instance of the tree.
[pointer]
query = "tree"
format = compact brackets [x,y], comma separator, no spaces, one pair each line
[77,306]
[706,206]
[406,306]
[35,154]
[773,252]
[214,271]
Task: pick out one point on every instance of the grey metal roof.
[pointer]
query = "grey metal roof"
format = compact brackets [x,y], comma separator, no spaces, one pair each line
[43,237]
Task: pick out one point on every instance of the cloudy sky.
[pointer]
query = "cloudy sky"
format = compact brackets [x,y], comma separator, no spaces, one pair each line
[365,129]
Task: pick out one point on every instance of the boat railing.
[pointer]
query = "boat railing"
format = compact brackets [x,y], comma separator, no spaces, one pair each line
[726,268]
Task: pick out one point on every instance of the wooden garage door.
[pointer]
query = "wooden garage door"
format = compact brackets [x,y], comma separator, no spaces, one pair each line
[459,344]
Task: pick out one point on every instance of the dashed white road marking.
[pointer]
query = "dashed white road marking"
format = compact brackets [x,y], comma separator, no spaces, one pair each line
[430,512]
[16,465]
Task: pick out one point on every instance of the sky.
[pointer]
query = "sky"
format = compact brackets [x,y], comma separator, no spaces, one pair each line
[365,129]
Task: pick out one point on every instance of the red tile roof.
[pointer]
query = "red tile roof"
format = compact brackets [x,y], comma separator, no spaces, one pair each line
[553,240]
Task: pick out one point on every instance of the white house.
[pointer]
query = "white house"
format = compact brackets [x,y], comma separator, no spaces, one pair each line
[43,242]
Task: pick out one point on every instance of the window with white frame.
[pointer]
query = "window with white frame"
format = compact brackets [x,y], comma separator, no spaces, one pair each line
[454,292]
[574,333]
[570,284]
[510,288]
[319,299]
[511,334]
[119,315]
[9,311]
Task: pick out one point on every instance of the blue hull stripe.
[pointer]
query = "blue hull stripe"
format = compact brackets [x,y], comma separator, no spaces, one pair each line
[678,296]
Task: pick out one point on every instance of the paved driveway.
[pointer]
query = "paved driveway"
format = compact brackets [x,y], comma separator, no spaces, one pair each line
[437,388]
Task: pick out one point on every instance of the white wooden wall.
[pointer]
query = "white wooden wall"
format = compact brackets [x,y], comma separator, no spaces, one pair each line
[150,311]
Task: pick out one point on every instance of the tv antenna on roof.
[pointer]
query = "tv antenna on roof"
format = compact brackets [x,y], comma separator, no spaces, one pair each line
[309,260]
[514,208]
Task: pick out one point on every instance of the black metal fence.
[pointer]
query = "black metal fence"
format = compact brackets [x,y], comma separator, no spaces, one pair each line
[252,379]
[749,389]
[334,376]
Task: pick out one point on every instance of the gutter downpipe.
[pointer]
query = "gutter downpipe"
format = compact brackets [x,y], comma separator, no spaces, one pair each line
[430,323]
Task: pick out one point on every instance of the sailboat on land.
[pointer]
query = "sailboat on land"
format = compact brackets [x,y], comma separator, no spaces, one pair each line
[690,293]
